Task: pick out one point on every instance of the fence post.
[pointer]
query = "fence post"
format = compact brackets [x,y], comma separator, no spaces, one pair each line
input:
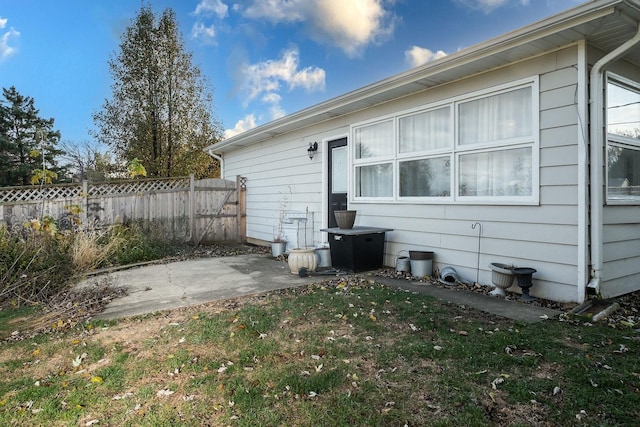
[192,208]
[241,208]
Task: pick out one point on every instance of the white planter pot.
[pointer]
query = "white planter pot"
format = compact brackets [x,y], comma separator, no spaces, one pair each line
[302,257]
[502,278]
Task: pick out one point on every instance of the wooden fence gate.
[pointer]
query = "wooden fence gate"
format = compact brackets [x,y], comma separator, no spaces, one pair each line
[180,209]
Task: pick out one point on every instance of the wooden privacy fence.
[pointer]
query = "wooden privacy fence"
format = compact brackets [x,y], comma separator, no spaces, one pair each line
[182,209]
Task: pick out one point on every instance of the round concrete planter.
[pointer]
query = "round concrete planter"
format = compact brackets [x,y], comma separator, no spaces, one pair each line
[302,257]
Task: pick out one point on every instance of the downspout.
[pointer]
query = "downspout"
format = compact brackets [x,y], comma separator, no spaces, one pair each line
[220,160]
[597,140]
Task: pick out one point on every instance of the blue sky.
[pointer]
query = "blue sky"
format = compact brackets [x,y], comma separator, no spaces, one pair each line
[263,58]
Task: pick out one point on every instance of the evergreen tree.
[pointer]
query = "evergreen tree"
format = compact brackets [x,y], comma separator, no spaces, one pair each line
[27,141]
[159,112]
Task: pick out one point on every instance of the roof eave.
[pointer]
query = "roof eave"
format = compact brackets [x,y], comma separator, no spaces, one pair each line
[326,110]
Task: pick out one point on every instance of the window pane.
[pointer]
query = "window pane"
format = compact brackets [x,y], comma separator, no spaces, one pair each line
[425,131]
[374,140]
[339,170]
[623,111]
[494,118]
[426,178]
[496,173]
[374,180]
[623,173]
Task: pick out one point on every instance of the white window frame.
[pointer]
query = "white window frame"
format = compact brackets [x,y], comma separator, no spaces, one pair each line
[618,140]
[454,151]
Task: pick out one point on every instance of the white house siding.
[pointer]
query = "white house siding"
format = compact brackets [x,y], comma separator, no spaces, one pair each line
[280,175]
[621,229]
[621,235]
[544,237]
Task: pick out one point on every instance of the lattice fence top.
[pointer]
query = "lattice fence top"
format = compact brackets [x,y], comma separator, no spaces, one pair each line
[70,191]
[138,186]
[25,194]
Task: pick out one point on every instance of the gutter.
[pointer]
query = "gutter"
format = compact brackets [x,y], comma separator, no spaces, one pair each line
[220,160]
[598,144]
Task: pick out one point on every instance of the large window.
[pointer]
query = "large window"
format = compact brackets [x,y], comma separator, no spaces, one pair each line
[473,149]
[623,141]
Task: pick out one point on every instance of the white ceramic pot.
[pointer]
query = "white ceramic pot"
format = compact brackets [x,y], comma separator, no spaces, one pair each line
[302,257]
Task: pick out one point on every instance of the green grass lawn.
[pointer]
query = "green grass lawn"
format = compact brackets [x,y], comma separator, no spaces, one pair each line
[345,353]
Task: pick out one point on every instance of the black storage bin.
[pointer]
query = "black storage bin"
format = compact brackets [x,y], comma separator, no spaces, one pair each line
[357,250]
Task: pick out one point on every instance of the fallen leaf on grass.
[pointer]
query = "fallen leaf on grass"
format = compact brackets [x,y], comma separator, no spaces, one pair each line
[122,396]
[623,349]
[78,360]
[164,392]
[495,382]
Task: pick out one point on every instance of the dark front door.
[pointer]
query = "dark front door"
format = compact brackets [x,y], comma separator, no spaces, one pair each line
[338,178]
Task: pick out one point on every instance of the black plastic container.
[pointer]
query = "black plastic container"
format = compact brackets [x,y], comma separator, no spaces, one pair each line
[359,252]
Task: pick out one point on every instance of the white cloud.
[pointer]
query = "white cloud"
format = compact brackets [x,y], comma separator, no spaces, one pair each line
[207,8]
[249,122]
[271,98]
[266,78]
[276,112]
[350,25]
[277,10]
[206,34]
[417,55]
[488,6]
[5,49]
[212,7]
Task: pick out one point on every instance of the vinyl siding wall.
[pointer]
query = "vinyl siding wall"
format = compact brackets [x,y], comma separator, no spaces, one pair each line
[621,227]
[544,237]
